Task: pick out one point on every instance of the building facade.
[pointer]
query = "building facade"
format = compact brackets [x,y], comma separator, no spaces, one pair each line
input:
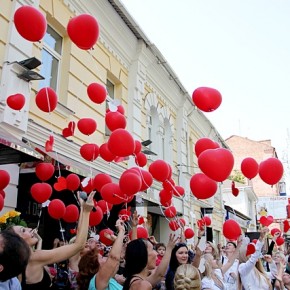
[136,75]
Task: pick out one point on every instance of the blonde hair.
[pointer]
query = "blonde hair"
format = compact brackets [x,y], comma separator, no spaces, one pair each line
[215,251]
[187,278]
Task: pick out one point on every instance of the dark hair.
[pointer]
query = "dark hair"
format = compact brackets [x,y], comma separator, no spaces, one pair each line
[159,245]
[232,243]
[88,267]
[136,258]
[173,265]
[14,255]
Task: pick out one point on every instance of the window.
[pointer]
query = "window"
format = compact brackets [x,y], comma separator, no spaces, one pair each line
[111,93]
[51,57]
[111,89]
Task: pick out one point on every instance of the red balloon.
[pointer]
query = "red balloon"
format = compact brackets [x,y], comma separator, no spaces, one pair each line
[87,126]
[121,109]
[231,229]
[217,164]
[2,192]
[166,202]
[41,192]
[105,206]
[249,167]
[165,195]
[189,233]
[266,220]
[206,99]
[100,180]
[274,231]
[44,171]
[115,120]
[105,153]
[97,93]
[71,214]
[201,224]
[140,159]
[46,100]
[142,233]
[178,191]
[138,147]
[111,193]
[16,102]
[87,186]
[96,217]
[4,179]
[280,241]
[89,152]
[202,187]
[286,226]
[72,182]
[130,183]
[83,30]
[1,202]
[203,144]
[170,212]
[251,249]
[271,170]
[146,178]
[121,143]
[30,23]
[103,239]
[173,225]
[159,170]
[207,220]
[168,184]
[125,214]
[56,209]
[182,222]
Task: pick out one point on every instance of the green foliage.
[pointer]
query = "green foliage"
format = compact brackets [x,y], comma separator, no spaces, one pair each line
[237,176]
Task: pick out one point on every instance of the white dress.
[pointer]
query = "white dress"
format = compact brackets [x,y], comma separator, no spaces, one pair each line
[250,279]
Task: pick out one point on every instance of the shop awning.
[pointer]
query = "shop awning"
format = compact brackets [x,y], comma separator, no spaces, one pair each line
[67,163]
[13,150]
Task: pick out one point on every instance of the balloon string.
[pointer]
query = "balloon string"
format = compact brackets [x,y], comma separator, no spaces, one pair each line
[39,215]
[61,230]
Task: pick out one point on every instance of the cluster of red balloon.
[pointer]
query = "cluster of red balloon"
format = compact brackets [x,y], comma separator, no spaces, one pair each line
[4,181]
[216,165]
[31,24]
[269,170]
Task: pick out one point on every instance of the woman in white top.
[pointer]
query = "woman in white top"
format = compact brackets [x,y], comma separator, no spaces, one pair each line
[252,273]
[213,277]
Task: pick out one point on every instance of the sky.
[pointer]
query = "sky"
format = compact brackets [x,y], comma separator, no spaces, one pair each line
[239,47]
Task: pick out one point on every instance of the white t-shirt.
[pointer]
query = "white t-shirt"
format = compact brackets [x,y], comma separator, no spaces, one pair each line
[231,283]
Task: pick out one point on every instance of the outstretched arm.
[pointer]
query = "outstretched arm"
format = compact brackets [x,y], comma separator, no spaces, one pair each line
[134,225]
[108,270]
[160,271]
[46,257]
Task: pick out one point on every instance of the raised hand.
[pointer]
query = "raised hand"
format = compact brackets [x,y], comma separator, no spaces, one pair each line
[89,204]
[135,219]
[120,225]
[172,241]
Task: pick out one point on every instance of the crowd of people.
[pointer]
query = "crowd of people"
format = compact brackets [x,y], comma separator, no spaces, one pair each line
[138,263]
